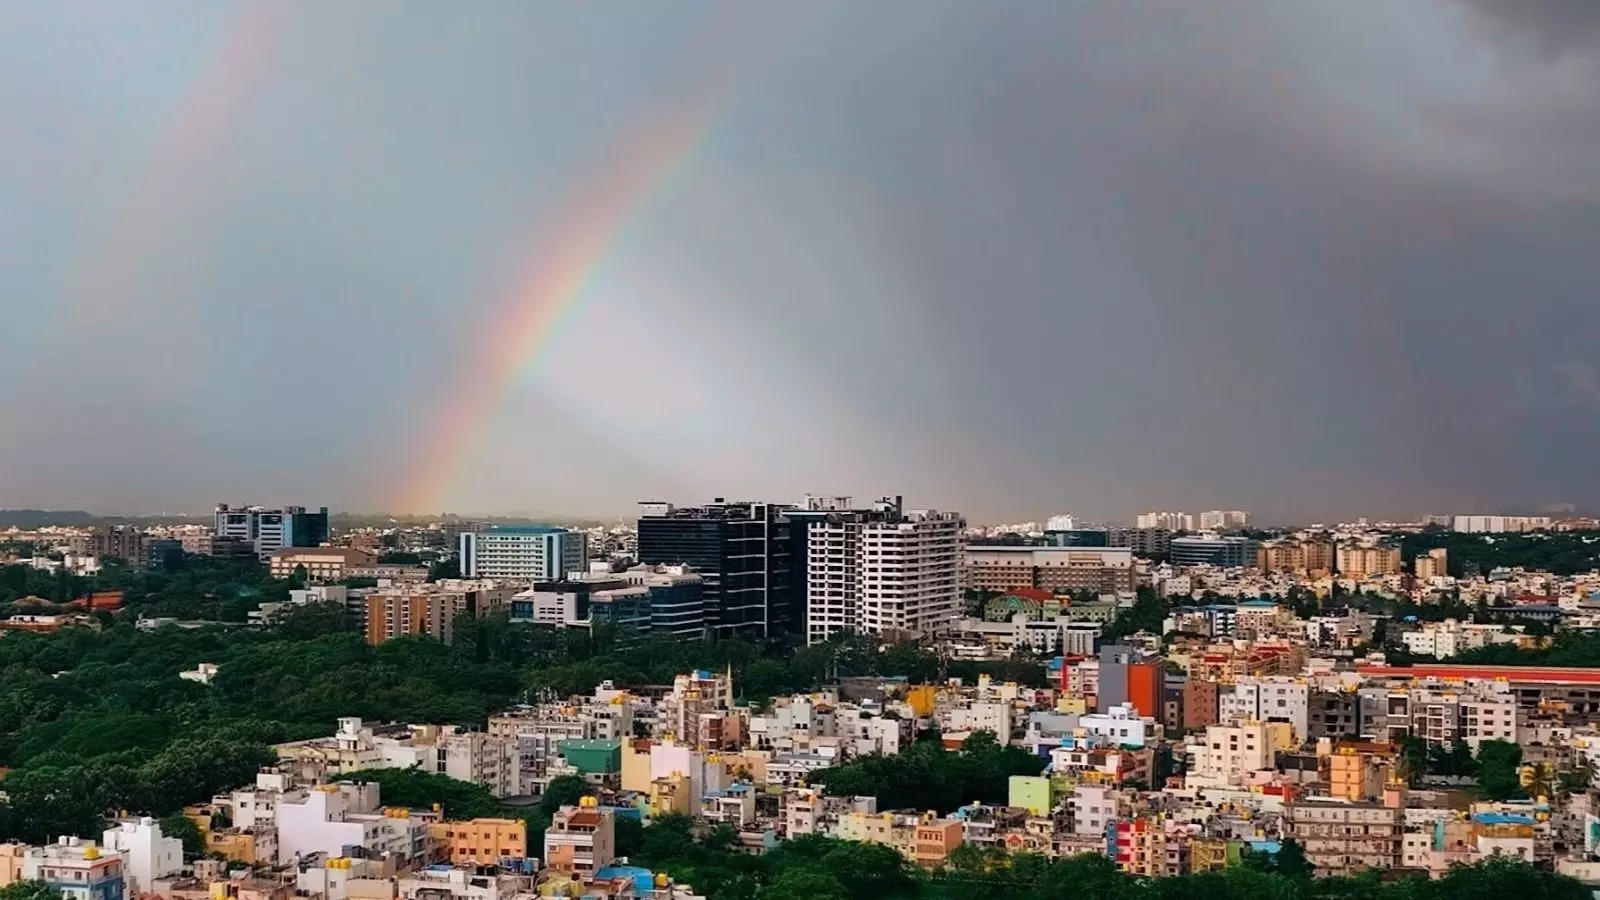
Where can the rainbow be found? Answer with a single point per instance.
(561, 269)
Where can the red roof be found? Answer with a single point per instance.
(1038, 595)
(1526, 674)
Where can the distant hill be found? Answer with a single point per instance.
(33, 518)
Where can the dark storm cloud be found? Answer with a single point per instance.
(1314, 259)
(1555, 25)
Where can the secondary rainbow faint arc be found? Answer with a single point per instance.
(559, 273)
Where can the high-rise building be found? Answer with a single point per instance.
(1362, 560)
(1223, 519)
(271, 530)
(1231, 552)
(1433, 564)
(741, 551)
(124, 542)
(883, 570)
(522, 552)
(430, 609)
(1314, 554)
(1171, 521)
(1145, 542)
(1494, 524)
(1062, 522)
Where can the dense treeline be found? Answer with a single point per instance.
(1561, 553)
(926, 776)
(819, 868)
(92, 722)
(199, 588)
(1566, 648)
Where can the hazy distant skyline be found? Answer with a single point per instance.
(1314, 260)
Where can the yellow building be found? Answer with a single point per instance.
(483, 841)
(319, 563)
(11, 862)
(1359, 771)
(1357, 560)
(636, 765)
(670, 794)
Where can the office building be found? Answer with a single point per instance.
(1060, 570)
(1079, 537)
(1227, 552)
(319, 564)
(883, 571)
(641, 599)
(740, 550)
(522, 552)
(1150, 543)
(124, 542)
(271, 530)
(163, 554)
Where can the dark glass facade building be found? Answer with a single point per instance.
(742, 553)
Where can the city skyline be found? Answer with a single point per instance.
(1315, 261)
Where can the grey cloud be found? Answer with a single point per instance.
(1555, 26)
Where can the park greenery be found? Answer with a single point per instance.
(926, 776)
(1557, 552)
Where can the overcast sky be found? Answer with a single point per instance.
(1313, 259)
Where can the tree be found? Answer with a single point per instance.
(29, 890)
(181, 826)
(1291, 861)
(1498, 764)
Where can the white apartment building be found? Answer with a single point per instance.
(332, 817)
(1442, 640)
(148, 854)
(1092, 808)
(1061, 522)
(994, 716)
(1172, 521)
(1444, 716)
(1223, 519)
(1121, 725)
(523, 552)
(1475, 524)
(1272, 698)
(1228, 754)
(883, 571)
